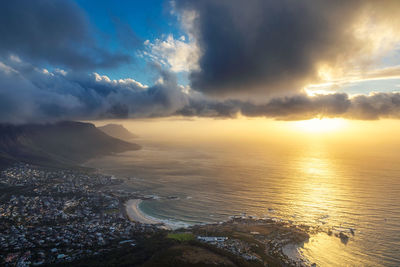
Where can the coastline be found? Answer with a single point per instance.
(287, 253)
(135, 214)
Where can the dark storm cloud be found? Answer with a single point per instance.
(52, 31)
(378, 105)
(273, 47)
(301, 107)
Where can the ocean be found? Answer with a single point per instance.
(351, 189)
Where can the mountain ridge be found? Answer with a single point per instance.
(117, 131)
(61, 143)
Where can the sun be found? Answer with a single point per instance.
(317, 125)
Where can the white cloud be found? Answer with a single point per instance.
(6, 69)
(127, 82)
(61, 72)
(15, 58)
(176, 54)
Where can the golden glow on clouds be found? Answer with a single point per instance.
(387, 73)
(376, 35)
(325, 73)
(314, 92)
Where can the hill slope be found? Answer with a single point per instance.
(117, 131)
(56, 144)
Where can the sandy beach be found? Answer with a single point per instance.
(134, 213)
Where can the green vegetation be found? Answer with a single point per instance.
(111, 211)
(159, 249)
(181, 236)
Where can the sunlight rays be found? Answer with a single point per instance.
(317, 125)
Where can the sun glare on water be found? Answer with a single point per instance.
(320, 125)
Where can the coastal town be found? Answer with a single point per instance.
(60, 215)
(55, 216)
(254, 239)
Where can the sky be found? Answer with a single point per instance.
(283, 60)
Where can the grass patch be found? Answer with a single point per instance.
(111, 211)
(181, 236)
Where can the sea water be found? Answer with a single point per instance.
(351, 190)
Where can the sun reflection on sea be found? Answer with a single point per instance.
(322, 245)
(330, 179)
(314, 171)
(317, 167)
(321, 183)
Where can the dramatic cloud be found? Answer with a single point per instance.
(302, 107)
(267, 47)
(30, 94)
(258, 55)
(52, 32)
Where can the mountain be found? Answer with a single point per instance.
(62, 143)
(117, 131)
